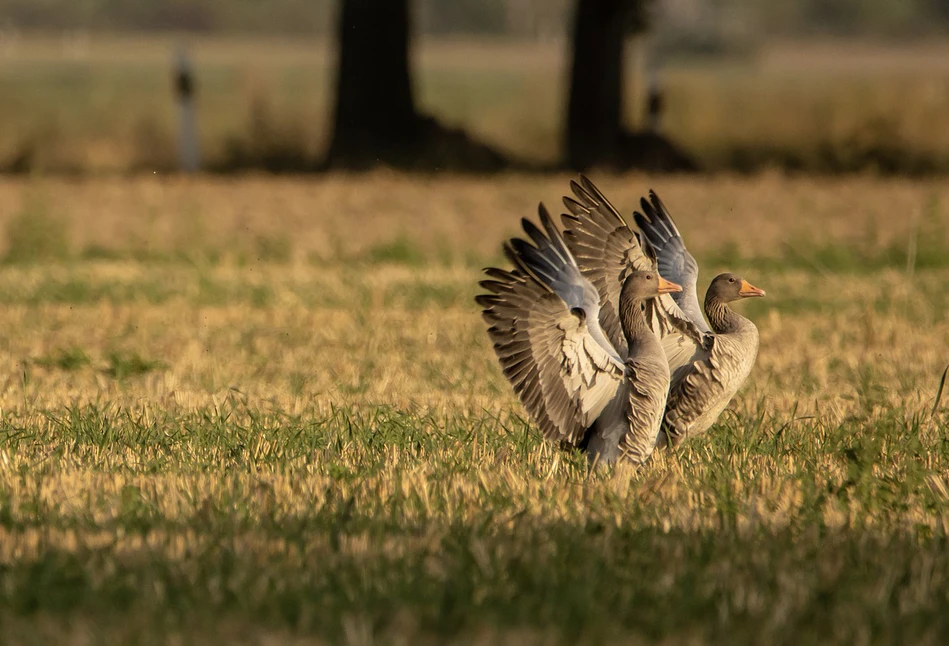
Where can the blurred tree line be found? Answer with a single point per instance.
(536, 19)
(891, 18)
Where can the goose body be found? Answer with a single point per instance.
(702, 389)
(708, 360)
(576, 384)
(639, 404)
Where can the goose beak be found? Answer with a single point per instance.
(748, 290)
(667, 287)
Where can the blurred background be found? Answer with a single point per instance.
(824, 86)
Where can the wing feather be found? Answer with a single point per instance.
(606, 250)
(673, 260)
(543, 322)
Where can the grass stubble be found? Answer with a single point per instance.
(202, 437)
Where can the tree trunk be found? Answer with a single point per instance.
(596, 82)
(595, 135)
(376, 120)
(375, 116)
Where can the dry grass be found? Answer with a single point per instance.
(332, 218)
(268, 409)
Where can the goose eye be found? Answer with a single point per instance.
(648, 276)
(731, 280)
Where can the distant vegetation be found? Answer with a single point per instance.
(89, 91)
(105, 104)
(522, 18)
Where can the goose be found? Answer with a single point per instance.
(578, 387)
(709, 361)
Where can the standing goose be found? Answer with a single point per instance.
(708, 363)
(578, 387)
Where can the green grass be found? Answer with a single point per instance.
(211, 289)
(64, 359)
(122, 365)
(35, 234)
(814, 533)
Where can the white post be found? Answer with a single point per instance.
(189, 157)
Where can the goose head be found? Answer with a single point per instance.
(731, 287)
(643, 285)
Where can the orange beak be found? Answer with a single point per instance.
(747, 290)
(667, 287)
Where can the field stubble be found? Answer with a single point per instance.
(267, 409)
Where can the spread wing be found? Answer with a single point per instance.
(673, 260)
(543, 319)
(606, 250)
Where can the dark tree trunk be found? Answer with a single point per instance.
(596, 82)
(376, 120)
(594, 131)
(375, 109)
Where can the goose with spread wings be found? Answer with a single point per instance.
(583, 389)
(709, 361)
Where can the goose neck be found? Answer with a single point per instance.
(720, 316)
(633, 320)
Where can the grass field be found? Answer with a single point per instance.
(103, 104)
(266, 411)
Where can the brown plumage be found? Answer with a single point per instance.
(702, 388)
(708, 364)
(578, 387)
